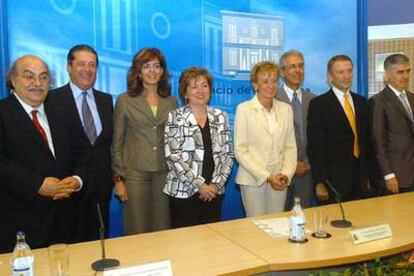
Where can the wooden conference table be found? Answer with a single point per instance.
(238, 247)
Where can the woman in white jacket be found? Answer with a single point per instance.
(265, 144)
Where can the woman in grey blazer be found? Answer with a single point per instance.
(199, 153)
(138, 148)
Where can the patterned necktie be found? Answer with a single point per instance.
(88, 123)
(351, 119)
(38, 126)
(406, 105)
(298, 120)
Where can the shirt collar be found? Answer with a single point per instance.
(28, 108)
(77, 91)
(396, 92)
(339, 93)
(289, 92)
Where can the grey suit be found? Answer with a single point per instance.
(301, 186)
(138, 156)
(393, 136)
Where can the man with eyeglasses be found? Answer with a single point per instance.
(91, 110)
(292, 66)
(40, 165)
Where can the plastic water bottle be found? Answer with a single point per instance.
(297, 223)
(22, 261)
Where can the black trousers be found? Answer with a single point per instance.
(193, 211)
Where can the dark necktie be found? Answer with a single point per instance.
(38, 126)
(298, 120)
(88, 123)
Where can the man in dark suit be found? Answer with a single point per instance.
(91, 110)
(338, 146)
(393, 127)
(292, 67)
(38, 160)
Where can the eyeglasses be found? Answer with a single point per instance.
(31, 77)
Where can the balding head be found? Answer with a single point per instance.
(29, 78)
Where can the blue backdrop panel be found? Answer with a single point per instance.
(226, 37)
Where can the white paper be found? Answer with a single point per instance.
(274, 227)
(162, 268)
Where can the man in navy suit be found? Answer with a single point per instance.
(40, 164)
(91, 110)
(338, 136)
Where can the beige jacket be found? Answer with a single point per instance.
(253, 142)
(138, 142)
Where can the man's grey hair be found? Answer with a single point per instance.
(395, 59)
(287, 54)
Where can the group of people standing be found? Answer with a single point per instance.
(63, 151)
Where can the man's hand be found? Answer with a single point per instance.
(392, 185)
(322, 192)
(302, 167)
(121, 191)
(69, 185)
(58, 189)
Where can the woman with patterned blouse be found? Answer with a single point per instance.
(199, 153)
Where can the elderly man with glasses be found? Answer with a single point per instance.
(40, 166)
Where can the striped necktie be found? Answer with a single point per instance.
(88, 123)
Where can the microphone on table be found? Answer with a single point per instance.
(104, 263)
(340, 223)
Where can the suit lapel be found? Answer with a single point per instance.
(163, 108)
(393, 100)
(26, 124)
(103, 115)
(281, 95)
(338, 110)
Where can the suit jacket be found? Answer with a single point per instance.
(25, 160)
(330, 143)
(281, 95)
(99, 179)
(184, 151)
(138, 142)
(252, 141)
(393, 136)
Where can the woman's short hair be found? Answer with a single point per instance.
(189, 74)
(135, 84)
(263, 67)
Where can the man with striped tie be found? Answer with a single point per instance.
(91, 110)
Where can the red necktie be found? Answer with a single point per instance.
(38, 126)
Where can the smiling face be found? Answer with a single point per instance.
(198, 92)
(31, 80)
(340, 75)
(293, 71)
(151, 72)
(82, 69)
(398, 75)
(266, 84)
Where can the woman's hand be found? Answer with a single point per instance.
(208, 192)
(278, 181)
(121, 191)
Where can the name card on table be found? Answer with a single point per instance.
(162, 268)
(370, 233)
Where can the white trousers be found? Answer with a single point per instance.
(262, 200)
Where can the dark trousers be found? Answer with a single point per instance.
(193, 211)
(357, 190)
